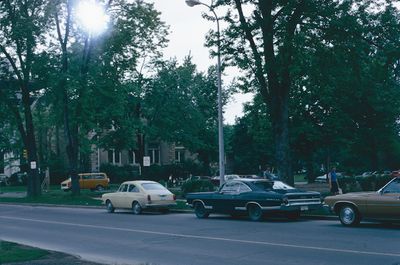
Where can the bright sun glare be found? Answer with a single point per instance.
(92, 16)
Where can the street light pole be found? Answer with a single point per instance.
(221, 151)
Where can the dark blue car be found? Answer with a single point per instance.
(255, 197)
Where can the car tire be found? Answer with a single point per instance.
(109, 206)
(99, 188)
(255, 213)
(293, 215)
(136, 208)
(200, 210)
(349, 215)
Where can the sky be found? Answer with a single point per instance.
(187, 36)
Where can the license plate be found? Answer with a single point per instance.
(303, 208)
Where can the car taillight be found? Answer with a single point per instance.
(149, 198)
(174, 196)
(69, 184)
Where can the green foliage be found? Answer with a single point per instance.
(363, 183)
(119, 174)
(181, 170)
(197, 186)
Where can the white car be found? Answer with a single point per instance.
(139, 195)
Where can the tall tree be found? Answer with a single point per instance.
(22, 28)
(107, 72)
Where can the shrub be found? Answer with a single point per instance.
(197, 186)
(119, 174)
(366, 183)
(381, 181)
(348, 184)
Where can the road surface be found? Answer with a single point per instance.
(182, 239)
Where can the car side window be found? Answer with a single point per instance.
(133, 188)
(393, 187)
(231, 187)
(123, 188)
(243, 188)
(228, 188)
(98, 176)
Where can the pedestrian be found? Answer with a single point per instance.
(333, 181)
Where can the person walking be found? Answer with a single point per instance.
(333, 182)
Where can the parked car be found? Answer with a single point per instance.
(369, 173)
(92, 181)
(4, 181)
(395, 173)
(139, 195)
(254, 197)
(383, 204)
(324, 178)
(215, 180)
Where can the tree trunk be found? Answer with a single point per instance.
(30, 143)
(280, 125)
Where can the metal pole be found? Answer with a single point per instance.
(221, 151)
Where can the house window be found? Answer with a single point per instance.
(132, 157)
(179, 155)
(114, 156)
(154, 154)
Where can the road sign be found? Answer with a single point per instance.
(33, 164)
(146, 161)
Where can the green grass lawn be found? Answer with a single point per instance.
(11, 252)
(54, 196)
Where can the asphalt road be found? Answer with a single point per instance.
(182, 239)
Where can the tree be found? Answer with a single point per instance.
(23, 26)
(180, 106)
(107, 70)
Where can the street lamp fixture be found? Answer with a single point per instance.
(192, 3)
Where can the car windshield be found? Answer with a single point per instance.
(272, 185)
(153, 186)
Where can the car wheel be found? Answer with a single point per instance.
(255, 213)
(99, 188)
(349, 215)
(293, 215)
(136, 208)
(200, 211)
(110, 206)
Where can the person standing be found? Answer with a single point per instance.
(333, 182)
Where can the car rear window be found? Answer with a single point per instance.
(153, 186)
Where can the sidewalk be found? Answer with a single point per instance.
(12, 194)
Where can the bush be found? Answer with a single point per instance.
(18, 179)
(381, 181)
(348, 184)
(368, 183)
(197, 186)
(119, 174)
